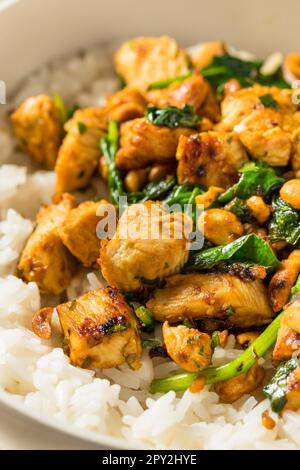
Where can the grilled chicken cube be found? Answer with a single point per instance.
(143, 143)
(144, 60)
(100, 330)
(192, 91)
(283, 280)
(210, 158)
(79, 154)
(188, 347)
(267, 123)
(231, 390)
(212, 295)
(149, 245)
(288, 335)
(37, 128)
(79, 231)
(45, 260)
(126, 104)
(203, 54)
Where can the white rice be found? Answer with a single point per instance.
(114, 401)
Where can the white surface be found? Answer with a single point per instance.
(35, 31)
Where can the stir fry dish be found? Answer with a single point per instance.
(202, 128)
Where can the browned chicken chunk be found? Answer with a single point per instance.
(126, 104)
(212, 295)
(145, 248)
(288, 335)
(283, 280)
(100, 330)
(37, 128)
(203, 54)
(233, 389)
(144, 60)
(45, 260)
(79, 154)
(188, 347)
(210, 158)
(268, 131)
(79, 231)
(142, 143)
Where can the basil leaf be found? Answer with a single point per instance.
(268, 101)
(249, 249)
(285, 222)
(256, 178)
(276, 389)
(173, 117)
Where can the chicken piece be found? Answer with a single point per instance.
(211, 107)
(288, 335)
(79, 154)
(37, 128)
(126, 104)
(144, 60)
(100, 330)
(293, 390)
(78, 233)
(283, 280)
(231, 390)
(142, 143)
(209, 197)
(149, 245)
(203, 54)
(210, 158)
(212, 295)
(188, 347)
(220, 226)
(192, 91)
(267, 129)
(45, 260)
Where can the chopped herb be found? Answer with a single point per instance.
(159, 84)
(72, 305)
(64, 113)
(215, 340)
(173, 117)
(268, 101)
(230, 311)
(150, 343)
(154, 190)
(145, 316)
(276, 389)
(117, 328)
(81, 127)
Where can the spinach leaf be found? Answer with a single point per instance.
(153, 191)
(268, 101)
(226, 67)
(285, 222)
(249, 249)
(173, 117)
(276, 389)
(238, 207)
(183, 194)
(256, 178)
(109, 147)
(168, 81)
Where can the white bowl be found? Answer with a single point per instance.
(35, 31)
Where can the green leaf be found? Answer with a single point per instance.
(173, 117)
(238, 207)
(117, 328)
(154, 191)
(81, 127)
(249, 249)
(145, 316)
(276, 389)
(183, 194)
(159, 84)
(268, 101)
(109, 146)
(256, 178)
(285, 223)
(150, 343)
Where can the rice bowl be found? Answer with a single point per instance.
(113, 402)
